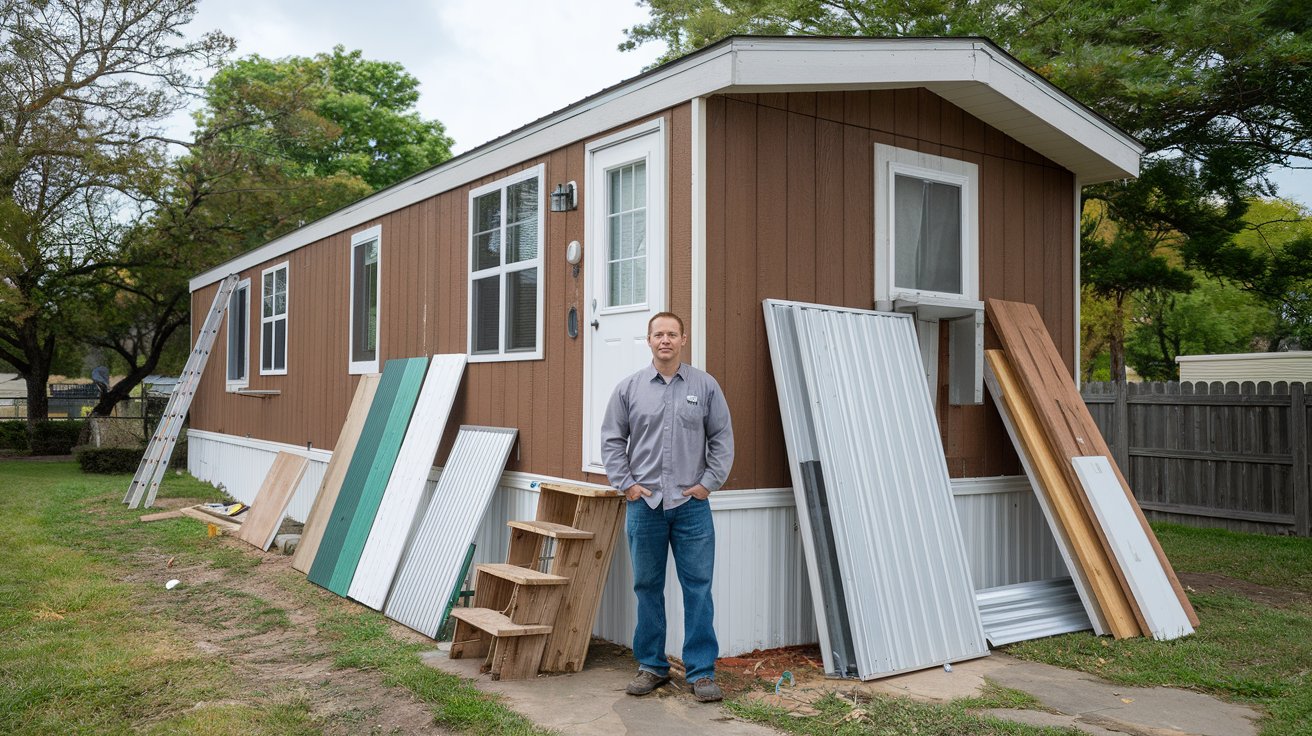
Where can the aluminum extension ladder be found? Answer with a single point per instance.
(145, 484)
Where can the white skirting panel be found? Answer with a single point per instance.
(1006, 535)
(239, 464)
(762, 599)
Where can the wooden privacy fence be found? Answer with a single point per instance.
(1230, 455)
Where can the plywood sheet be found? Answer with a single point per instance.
(431, 563)
(401, 499)
(357, 473)
(1066, 422)
(331, 485)
(270, 503)
(1165, 616)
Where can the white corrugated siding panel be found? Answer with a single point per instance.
(1031, 610)
(911, 603)
(239, 465)
(1006, 535)
(405, 488)
(430, 565)
(761, 596)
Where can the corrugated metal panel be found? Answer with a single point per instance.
(1031, 610)
(858, 415)
(432, 561)
(1006, 535)
(759, 587)
(400, 501)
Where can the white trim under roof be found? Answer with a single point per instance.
(972, 73)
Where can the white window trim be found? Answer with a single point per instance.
(364, 366)
(238, 384)
(265, 275)
(501, 356)
(892, 160)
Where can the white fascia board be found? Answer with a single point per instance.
(998, 90)
(643, 97)
(1078, 139)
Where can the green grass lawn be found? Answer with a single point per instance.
(1253, 645)
(91, 644)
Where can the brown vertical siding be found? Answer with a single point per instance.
(423, 310)
(791, 215)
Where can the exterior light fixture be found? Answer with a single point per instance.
(564, 198)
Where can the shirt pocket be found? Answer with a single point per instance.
(692, 415)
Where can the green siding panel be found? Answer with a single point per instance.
(371, 495)
(330, 546)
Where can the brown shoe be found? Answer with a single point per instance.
(707, 691)
(645, 682)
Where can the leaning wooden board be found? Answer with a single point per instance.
(326, 498)
(270, 503)
(1072, 527)
(1048, 384)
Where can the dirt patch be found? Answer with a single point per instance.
(266, 627)
(1206, 582)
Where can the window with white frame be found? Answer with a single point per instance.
(927, 259)
(273, 321)
(366, 282)
(926, 226)
(505, 268)
(239, 313)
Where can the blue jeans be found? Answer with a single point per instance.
(687, 529)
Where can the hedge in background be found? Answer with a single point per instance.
(55, 438)
(13, 435)
(109, 459)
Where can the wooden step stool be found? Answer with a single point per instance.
(574, 537)
(514, 608)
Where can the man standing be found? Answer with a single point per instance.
(668, 443)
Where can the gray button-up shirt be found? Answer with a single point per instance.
(667, 436)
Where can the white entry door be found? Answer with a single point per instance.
(625, 285)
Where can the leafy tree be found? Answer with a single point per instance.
(1219, 94)
(278, 143)
(1216, 317)
(84, 85)
(1276, 265)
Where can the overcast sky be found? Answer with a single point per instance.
(486, 67)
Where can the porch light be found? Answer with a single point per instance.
(564, 198)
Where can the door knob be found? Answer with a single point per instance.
(595, 324)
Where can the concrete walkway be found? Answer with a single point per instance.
(593, 701)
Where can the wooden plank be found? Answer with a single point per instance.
(521, 575)
(400, 502)
(497, 623)
(516, 658)
(1165, 617)
(270, 504)
(194, 513)
(1063, 416)
(371, 493)
(579, 490)
(1074, 523)
(1213, 512)
(161, 516)
(549, 529)
(587, 564)
(331, 484)
(1298, 481)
